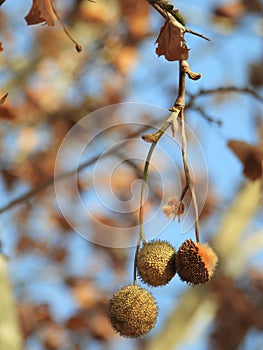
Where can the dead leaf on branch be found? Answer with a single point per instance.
(3, 98)
(171, 43)
(44, 11)
(41, 11)
(250, 156)
(6, 111)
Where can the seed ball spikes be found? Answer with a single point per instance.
(133, 311)
(195, 262)
(156, 263)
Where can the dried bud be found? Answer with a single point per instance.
(133, 311)
(156, 263)
(192, 75)
(195, 262)
(78, 47)
(173, 208)
(151, 138)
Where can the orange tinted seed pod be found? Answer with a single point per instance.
(195, 262)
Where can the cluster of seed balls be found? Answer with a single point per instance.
(133, 310)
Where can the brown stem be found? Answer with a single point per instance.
(224, 89)
(189, 183)
(176, 110)
(78, 47)
(180, 104)
(141, 237)
(180, 100)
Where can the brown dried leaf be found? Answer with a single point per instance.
(237, 312)
(256, 73)
(171, 43)
(27, 139)
(78, 322)
(93, 321)
(136, 17)
(250, 156)
(60, 221)
(6, 112)
(1, 47)
(101, 13)
(41, 11)
(26, 244)
(253, 5)
(126, 61)
(59, 254)
(42, 314)
(9, 178)
(3, 98)
(54, 337)
(26, 319)
(100, 328)
(232, 10)
(85, 293)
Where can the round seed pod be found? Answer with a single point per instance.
(195, 262)
(156, 263)
(133, 311)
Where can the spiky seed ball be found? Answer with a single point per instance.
(133, 311)
(195, 262)
(156, 263)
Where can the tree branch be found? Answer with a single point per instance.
(239, 90)
(202, 92)
(180, 103)
(31, 193)
(161, 7)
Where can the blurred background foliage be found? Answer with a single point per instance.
(60, 281)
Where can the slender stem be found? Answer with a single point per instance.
(177, 111)
(135, 261)
(180, 102)
(189, 183)
(197, 233)
(78, 47)
(141, 236)
(143, 189)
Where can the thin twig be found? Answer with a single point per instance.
(192, 97)
(180, 102)
(143, 189)
(31, 193)
(234, 89)
(205, 115)
(157, 5)
(189, 182)
(78, 47)
(155, 137)
(141, 235)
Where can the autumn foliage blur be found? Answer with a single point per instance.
(61, 281)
